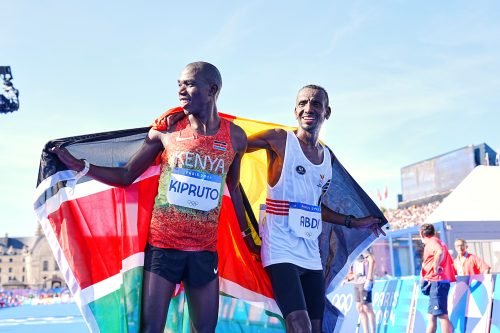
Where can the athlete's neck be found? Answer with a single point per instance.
(206, 123)
(307, 139)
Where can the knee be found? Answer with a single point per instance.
(298, 321)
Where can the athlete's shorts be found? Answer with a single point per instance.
(438, 298)
(194, 268)
(361, 295)
(296, 288)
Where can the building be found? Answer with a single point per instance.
(28, 262)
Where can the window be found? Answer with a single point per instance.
(418, 252)
(381, 252)
(45, 265)
(401, 254)
(10, 269)
(10, 260)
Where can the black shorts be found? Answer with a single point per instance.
(361, 295)
(194, 268)
(438, 298)
(296, 288)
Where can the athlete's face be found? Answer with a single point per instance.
(311, 109)
(195, 93)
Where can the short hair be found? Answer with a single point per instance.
(210, 72)
(461, 240)
(427, 230)
(316, 87)
(7, 83)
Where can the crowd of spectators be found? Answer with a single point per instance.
(411, 216)
(16, 297)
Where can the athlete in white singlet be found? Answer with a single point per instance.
(299, 172)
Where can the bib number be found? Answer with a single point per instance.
(194, 189)
(305, 220)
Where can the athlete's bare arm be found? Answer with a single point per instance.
(118, 176)
(274, 142)
(367, 222)
(239, 142)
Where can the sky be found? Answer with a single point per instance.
(407, 80)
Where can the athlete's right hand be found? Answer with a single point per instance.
(69, 160)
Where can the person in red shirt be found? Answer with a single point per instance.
(467, 263)
(437, 273)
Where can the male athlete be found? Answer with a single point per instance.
(299, 173)
(199, 155)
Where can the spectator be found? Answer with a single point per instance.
(467, 263)
(437, 273)
(361, 275)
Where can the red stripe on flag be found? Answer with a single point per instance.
(98, 231)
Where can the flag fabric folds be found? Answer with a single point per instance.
(98, 233)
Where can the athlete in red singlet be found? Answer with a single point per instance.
(200, 154)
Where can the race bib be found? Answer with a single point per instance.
(194, 189)
(305, 220)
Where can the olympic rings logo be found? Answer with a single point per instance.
(192, 203)
(343, 302)
(308, 233)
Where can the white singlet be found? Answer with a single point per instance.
(291, 223)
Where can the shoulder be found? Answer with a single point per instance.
(238, 137)
(276, 135)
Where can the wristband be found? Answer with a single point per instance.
(84, 171)
(247, 232)
(348, 221)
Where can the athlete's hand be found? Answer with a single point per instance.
(370, 223)
(173, 119)
(69, 160)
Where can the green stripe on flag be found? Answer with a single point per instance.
(119, 311)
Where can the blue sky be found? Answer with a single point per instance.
(407, 80)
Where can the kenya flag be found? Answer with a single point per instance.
(98, 233)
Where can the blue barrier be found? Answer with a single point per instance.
(399, 306)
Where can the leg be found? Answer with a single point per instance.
(370, 317)
(446, 326)
(289, 295)
(156, 295)
(362, 316)
(431, 325)
(314, 295)
(203, 305)
(298, 322)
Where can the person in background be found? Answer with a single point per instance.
(467, 263)
(361, 275)
(437, 274)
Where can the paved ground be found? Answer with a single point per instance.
(54, 318)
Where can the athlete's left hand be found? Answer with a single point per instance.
(369, 222)
(173, 119)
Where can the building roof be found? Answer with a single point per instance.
(17, 243)
(476, 198)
